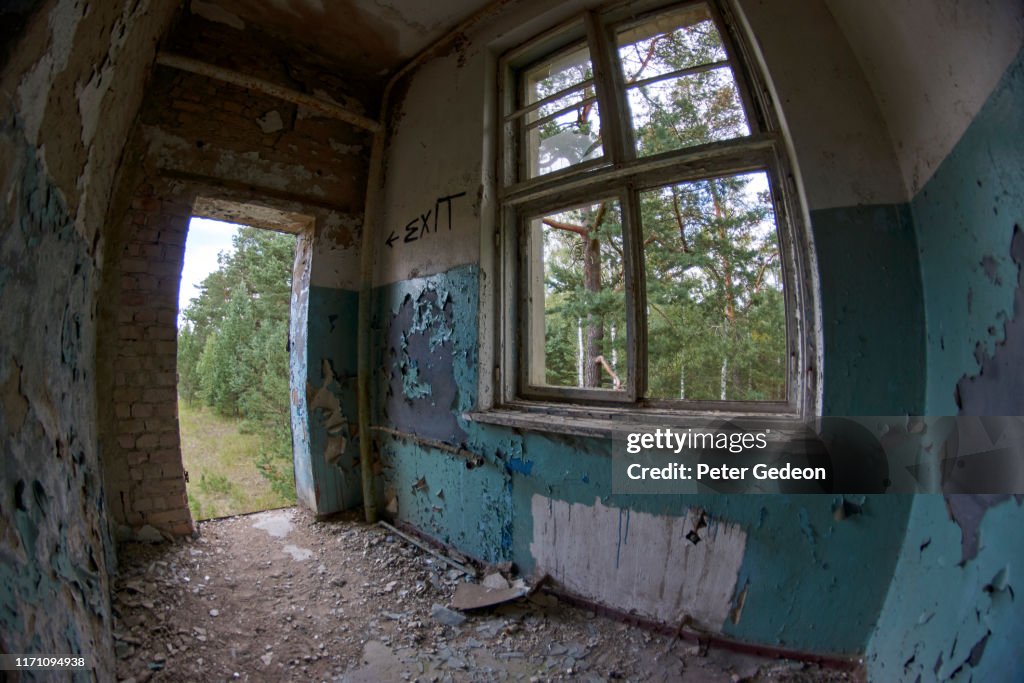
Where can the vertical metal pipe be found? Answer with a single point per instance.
(371, 217)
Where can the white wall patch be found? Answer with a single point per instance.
(640, 562)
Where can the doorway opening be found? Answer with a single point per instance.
(234, 314)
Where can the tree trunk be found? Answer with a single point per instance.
(579, 352)
(615, 353)
(725, 376)
(595, 328)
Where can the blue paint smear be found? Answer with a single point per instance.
(519, 465)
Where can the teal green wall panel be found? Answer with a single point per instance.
(872, 310)
(324, 403)
(965, 217)
(951, 612)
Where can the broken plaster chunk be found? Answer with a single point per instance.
(298, 554)
(496, 581)
(270, 122)
(470, 596)
(446, 616)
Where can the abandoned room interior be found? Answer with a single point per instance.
(496, 204)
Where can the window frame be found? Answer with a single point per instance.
(621, 173)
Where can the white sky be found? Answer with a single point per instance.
(206, 239)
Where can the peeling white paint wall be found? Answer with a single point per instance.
(638, 562)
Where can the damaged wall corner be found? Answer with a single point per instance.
(58, 166)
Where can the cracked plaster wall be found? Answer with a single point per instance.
(62, 130)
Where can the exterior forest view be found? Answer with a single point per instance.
(708, 255)
(233, 368)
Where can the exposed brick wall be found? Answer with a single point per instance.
(146, 478)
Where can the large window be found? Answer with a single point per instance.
(651, 253)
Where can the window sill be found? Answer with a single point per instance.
(611, 422)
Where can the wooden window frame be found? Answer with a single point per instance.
(619, 173)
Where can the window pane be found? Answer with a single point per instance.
(672, 41)
(716, 315)
(577, 309)
(686, 109)
(567, 130)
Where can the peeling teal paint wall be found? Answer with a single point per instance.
(327, 469)
(799, 560)
(470, 509)
(56, 551)
(872, 310)
(947, 619)
(951, 614)
(965, 217)
(908, 291)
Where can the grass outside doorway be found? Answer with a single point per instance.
(221, 462)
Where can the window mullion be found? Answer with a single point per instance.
(636, 297)
(614, 132)
(526, 109)
(551, 117)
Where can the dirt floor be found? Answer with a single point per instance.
(280, 596)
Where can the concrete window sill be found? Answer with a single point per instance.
(611, 422)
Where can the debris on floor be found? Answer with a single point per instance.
(470, 596)
(279, 596)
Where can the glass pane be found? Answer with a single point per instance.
(572, 134)
(675, 40)
(687, 111)
(679, 111)
(577, 309)
(565, 140)
(716, 314)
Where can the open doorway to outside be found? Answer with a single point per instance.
(233, 362)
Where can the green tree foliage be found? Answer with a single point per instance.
(233, 346)
(716, 321)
